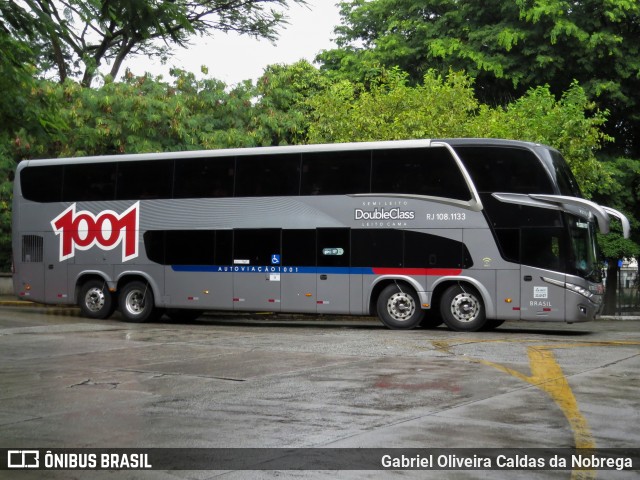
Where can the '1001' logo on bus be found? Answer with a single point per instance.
(84, 230)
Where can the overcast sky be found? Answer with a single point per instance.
(233, 58)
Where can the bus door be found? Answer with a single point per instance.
(541, 252)
(299, 279)
(257, 265)
(333, 252)
(55, 271)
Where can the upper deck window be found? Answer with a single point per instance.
(424, 171)
(505, 169)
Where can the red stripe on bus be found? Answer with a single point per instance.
(436, 272)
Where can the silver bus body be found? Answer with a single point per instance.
(351, 253)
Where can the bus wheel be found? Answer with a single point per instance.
(398, 307)
(136, 302)
(462, 309)
(95, 300)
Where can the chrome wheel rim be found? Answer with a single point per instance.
(94, 299)
(134, 302)
(465, 307)
(401, 306)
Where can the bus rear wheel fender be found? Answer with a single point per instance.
(462, 308)
(137, 302)
(398, 306)
(95, 300)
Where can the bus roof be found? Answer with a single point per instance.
(291, 149)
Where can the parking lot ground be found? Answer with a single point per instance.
(285, 381)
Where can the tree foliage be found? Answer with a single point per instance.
(444, 107)
(76, 37)
(506, 46)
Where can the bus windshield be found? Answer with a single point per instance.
(584, 254)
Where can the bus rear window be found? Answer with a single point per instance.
(42, 184)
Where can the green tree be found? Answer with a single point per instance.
(282, 111)
(507, 46)
(76, 37)
(442, 107)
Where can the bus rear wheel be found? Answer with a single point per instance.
(95, 300)
(462, 309)
(136, 302)
(399, 308)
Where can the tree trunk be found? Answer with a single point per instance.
(611, 293)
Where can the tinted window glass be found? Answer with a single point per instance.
(93, 181)
(204, 177)
(335, 173)
(154, 246)
(509, 243)
(333, 247)
(567, 183)
(428, 171)
(377, 248)
(189, 247)
(256, 247)
(144, 180)
(543, 248)
(224, 247)
(423, 250)
(509, 215)
(42, 184)
(267, 175)
(299, 248)
(505, 169)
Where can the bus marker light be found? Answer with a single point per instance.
(308, 295)
(27, 287)
(508, 300)
(206, 292)
(426, 305)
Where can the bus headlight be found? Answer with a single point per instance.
(578, 289)
(585, 292)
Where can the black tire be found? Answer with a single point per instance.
(399, 307)
(95, 300)
(432, 319)
(183, 314)
(492, 325)
(462, 309)
(136, 302)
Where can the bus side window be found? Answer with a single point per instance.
(204, 177)
(425, 171)
(267, 175)
(42, 184)
(335, 173)
(83, 182)
(144, 180)
(333, 247)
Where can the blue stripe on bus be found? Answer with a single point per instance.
(272, 269)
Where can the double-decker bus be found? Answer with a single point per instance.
(469, 232)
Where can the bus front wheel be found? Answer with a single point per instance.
(136, 302)
(398, 307)
(462, 309)
(95, 300)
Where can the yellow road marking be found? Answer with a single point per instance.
(547, 375)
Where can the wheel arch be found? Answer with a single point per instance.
(443, 283)
(87, 275)
(382, 282)
(130, 276)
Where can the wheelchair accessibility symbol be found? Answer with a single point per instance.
(275, 259)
